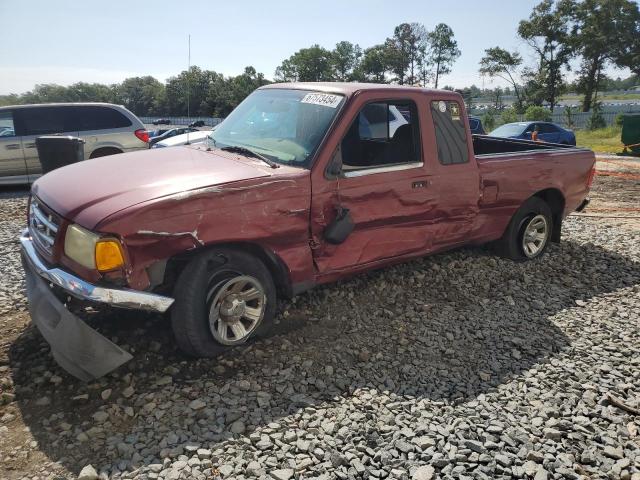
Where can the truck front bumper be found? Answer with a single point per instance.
(77, 348)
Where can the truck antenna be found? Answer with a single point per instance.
(188, 88)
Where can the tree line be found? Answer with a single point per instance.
(559, 33)
(196, 92)
(411, 56)
(597, 33)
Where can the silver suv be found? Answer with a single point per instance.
(106, 129)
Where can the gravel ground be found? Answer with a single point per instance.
(460, 365)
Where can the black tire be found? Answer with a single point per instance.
(198, 280)
(104, 152)
(511, 244)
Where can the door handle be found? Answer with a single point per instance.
(420, 184)
(12, 146)
(30, 145)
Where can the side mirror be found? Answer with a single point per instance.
(334, 169)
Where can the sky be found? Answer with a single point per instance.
(65, 41)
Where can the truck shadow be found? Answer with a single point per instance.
(442, 329)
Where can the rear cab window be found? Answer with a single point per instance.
(450, 132)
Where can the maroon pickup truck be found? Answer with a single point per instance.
(302, 184)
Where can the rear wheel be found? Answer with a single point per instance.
(223, 297)
(528, 233)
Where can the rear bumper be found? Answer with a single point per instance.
(583, 205)
(77, 348)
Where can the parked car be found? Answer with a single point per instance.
(213, 234)
(191, 138)
(171, 133)
(157, 132)
(475, 125)
(547, 132)
(162, 121)
(197, 123)
(106, 129)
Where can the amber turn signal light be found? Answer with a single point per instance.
(108, 255)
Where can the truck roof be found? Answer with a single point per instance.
(349, 88)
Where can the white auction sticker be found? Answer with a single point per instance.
(324, 99)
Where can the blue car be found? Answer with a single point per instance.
(475, 125)
(547, 132)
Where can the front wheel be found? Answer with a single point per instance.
(528, 233)
(223, 297)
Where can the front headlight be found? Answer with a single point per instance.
(92, 251)
(80, 246)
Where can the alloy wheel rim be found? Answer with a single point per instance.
(236, 307)
(535, 236)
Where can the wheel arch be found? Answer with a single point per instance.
(276, 266)
(556, 201)
(105, 151)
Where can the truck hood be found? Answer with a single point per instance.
(90, 191)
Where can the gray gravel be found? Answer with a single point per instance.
(456, 366)
(13, 219)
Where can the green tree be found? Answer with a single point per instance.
(142, 95)
(498, 62)
(570, 117)
(313, 64)
(489, 120)
(397, 52)
(595, 37)
(11, 99)
(536, 113)
(374, 65)
(509, 115)
(47, 93)
(627, 42)
(186, 93)
(345, 58)
(596, 120)
(547, 32)
(443, 51)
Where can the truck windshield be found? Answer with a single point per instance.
(283, 125)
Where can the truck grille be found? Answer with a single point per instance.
(43, 226)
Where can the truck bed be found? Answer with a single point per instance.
(486, 145)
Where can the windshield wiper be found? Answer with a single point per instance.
(250, 153)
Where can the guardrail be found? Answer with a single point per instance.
(209, 121)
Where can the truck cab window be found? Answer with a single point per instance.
(382, 134)
(451, 133)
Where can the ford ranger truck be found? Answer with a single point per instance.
(302, 184)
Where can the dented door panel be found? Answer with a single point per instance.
(391, 218)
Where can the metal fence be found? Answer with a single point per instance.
(579, 119)
(209, 121)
